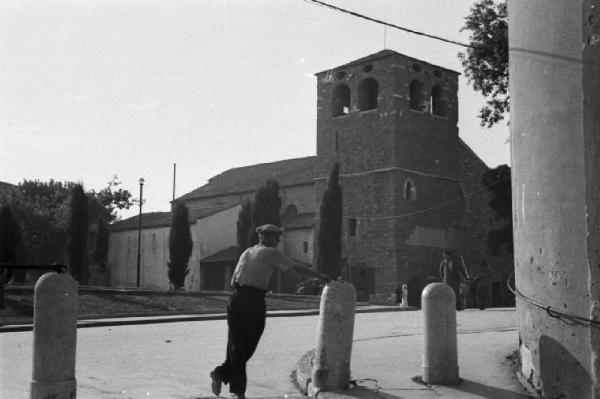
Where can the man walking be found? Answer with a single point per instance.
(246, 312)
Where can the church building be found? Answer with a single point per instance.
(411, 189)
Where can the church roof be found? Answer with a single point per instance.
(162, 219)
(7, 188)
(289, 172)
(467, 151)
(383, 54)
(229, 254)
(152, 219)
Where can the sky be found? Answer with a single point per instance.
(94, 89)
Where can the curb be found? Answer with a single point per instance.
(88, 289)
(135, 320)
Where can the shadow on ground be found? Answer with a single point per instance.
(487, 391)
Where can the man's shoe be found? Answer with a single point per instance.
(238, 396)
(216, 383)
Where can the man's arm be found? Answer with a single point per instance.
(279, 258)
(307, 270)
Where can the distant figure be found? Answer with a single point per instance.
(404, 303)
(246, 311)
(452, 275)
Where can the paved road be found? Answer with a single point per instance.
(173, 360)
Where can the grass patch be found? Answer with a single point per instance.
(94, 304)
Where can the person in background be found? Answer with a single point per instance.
(452, 275)
(246, 311)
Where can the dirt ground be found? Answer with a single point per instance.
(99, 303)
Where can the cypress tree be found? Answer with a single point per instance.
(101, 252)
(180, 247)
(10, 243)
(330, 227)
(77, 234)
(265, 209)
(243, 225)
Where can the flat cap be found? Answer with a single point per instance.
(269, 229)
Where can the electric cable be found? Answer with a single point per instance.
(440, 205)
(355, 14)
(558, 314)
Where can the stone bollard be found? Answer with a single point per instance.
(54, 337)
(440, 358)
(331, 367)
(404, 303)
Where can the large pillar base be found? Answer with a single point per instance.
(54, 390)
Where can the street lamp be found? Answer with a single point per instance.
(139, 234)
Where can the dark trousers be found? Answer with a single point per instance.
(246, 314)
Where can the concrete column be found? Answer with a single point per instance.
(555, 131)
(331, 369)
(440, 356)
(54, 337)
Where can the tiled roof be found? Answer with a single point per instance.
(226, 255)
(7, 188)
(152, 219)
(162, 219)
(383, 54)
(466, 151)
(249, 178)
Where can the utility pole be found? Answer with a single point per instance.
(174, 175)
(139, 251)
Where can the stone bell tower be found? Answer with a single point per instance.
(390, 121)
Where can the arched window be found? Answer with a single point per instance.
(417, 99)
(437, 101)
(291, 210)
(410, 190)
(367, 94)
(340, 101)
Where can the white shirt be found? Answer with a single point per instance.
(256, 265)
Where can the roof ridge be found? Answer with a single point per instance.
(265, 163)
(472, 152)
(382, 54)
(249, 178)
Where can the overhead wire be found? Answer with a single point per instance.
(378, 21)
(440, 205)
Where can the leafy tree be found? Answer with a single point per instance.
(498, 182)
(77, 235)
(105, 203)
(42, 208)
(329, 260)
(180, 247)
(486, 61)
(266, 209)
(243, 225)
(101, 250)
